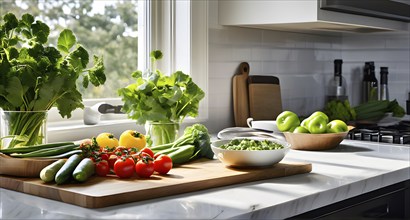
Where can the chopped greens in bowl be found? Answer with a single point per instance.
(251, 144)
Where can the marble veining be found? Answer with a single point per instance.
(349, 170)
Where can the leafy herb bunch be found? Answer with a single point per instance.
(161, 98)
(36, 76)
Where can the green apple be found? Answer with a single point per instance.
(316, 113)
(287, 120)
(317, 125)
(336, 126)
(304, 123)
(300, 129)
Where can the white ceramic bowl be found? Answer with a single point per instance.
(240, 158)
(265, 125)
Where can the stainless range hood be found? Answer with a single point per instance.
(301, 15)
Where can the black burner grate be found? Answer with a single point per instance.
(397, 134)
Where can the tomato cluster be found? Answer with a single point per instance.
(124, 162)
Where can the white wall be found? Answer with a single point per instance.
(302, 62)
(385, 49)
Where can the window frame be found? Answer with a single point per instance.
(159, 17)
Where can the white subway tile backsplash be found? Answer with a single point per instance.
(397, 43)
(241, 53)
(280, 39)
(303, 63)
(214, 70)
(270, 67)
(280, 54)
(363, 42)
(382, 55)
(327, 55)
(221, 52)
(256, 68)
(261, 54)
(243, 36)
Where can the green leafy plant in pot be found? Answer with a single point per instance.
(161, 102)
(36, 76)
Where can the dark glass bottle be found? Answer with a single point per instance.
(384, 89)
(370, 90)
(337, 86)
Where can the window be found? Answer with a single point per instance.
(107, 28)
(124, 32)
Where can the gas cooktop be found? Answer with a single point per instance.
(397, 134)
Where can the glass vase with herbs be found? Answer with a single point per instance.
(161, 102)
(36, 76)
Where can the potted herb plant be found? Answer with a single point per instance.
(161, 102)
(36, 76)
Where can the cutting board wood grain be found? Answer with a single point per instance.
(240, 95)
(265, 102)
(100, 192)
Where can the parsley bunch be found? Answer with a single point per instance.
(36, 76)
(161, 98)
(155, 97)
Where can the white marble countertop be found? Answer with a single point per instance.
(351, 169)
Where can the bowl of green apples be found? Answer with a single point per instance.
(315, 132)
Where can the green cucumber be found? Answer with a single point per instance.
(33, 148)
(84, 170)
(48, 173)
(66, 171)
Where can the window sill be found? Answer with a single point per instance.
(74, 130)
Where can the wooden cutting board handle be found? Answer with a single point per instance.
(240, 95)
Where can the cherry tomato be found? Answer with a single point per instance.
(111, 160)
(102, 168)
(124, 167)
(120, 150)
(132, 150)
(148, 151)
(162, 164)
(104, 156)
(144, 167)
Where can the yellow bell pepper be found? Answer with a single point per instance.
(130, 139)
(107, 140)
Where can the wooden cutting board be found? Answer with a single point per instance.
(240, 95)
(255, 96)
(265, 102)
(100, 192)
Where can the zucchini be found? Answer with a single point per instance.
(66, 171)
(84, 170)
(48, 173)
(34, 147)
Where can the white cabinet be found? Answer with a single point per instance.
(300, 15)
